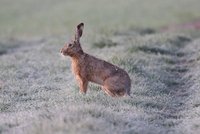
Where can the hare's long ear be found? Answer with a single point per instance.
(79, 31)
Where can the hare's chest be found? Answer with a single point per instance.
(77, 68)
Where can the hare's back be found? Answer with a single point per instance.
(99, 70)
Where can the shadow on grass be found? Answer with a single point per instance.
(4, 107)
(145, 104)
(156, 51)
(135, 31)
(173, 48)
(180, 41)
(104, 43)
(8, 47)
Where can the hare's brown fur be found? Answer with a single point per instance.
(114, 80)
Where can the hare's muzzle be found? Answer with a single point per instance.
(61, 51)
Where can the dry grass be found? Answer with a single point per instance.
(39, 93)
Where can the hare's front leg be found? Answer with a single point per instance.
(83, 83)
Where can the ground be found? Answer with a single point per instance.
(156, 42)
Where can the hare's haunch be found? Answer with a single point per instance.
(114, 80)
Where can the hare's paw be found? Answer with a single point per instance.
(82, 92)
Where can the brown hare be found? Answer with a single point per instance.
(86, 68)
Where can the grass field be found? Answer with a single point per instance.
(39, 95)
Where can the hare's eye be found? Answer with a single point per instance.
(70, 45)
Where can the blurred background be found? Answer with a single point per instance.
(32, 18)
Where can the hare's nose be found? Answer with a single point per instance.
(61, 51)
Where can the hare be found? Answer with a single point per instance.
(86, 68)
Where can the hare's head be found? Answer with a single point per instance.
(73, 47)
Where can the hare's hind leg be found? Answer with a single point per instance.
(113, 92)
(113, 87)
(108, 91)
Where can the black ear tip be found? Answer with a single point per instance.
(80, 25)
